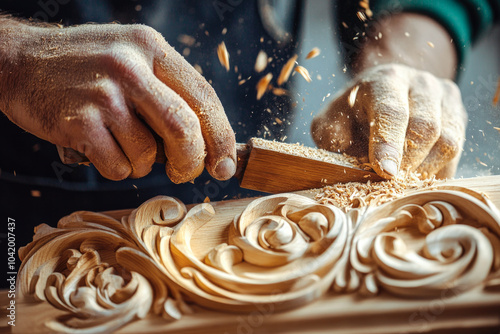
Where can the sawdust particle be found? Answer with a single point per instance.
(313, 53)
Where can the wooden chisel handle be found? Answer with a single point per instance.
(275, 167)
(70, 156)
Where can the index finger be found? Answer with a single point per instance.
(173, 70)
(388, 113)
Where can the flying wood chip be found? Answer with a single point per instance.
(304, 72)
(263, 84)
(313, 53)
(223, 55)
(286, 70)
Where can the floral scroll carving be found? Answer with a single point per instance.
(285, 250)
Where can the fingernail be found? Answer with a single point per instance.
(389, 167)
(225, 169)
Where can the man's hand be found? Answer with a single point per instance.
(100, 89)
(402, 118)
(401, 110)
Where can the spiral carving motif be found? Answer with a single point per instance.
(284, 250)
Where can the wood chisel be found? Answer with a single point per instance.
(264, 168)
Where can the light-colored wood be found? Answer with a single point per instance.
(275, 172)
(428, 261)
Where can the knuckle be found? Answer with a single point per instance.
(145, 35)
(426, 81)
(114, 56)
(108, 94)
(426, 130)
(122, 61)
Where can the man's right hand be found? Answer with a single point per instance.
(94, 88)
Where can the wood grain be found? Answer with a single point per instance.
(274, 172)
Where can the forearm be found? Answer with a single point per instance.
(409, 39)
(13, 33)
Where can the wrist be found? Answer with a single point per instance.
(409, 39)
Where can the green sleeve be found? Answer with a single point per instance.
(465, 20)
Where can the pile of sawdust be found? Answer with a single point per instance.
(355, 194)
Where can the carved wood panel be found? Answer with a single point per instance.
(286, 250)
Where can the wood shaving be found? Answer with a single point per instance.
(260, 62)
(313, 53)
(498, 129)
(304, 72)
(355, 194)
(352, 96)
(263, 84)
(286, 70)
(223, 55)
